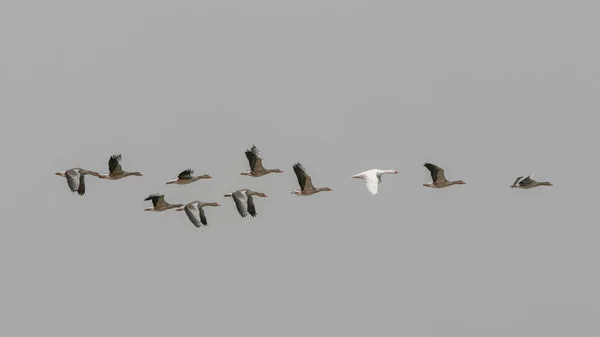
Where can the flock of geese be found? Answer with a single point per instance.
(243, 198)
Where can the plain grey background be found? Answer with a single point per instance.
(488, 91)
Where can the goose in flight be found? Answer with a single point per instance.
(116, 170)
(256, 167)
(305, 182)
(244, 202)
(372, 178)
(528, 182)
(439, 180)
(75, 178)
(187, 177)
(159, 203)
(195, 212)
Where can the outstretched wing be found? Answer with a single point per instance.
(437, 173)
(518, 180)
(156, 199)
(73, 179)
(254, 158)
(189, 210)
(81, 189)
(251, 208)
(241, 202)
(187, 174)
(304, 179)
(114, 164)
(372, 182)
(202, 216)
(526, 181)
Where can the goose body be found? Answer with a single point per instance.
(195, 212)
(528, 182)
(115, 169)
(372, 178)
(438, 178)
(187, 177)
(305, 182)
(256, 167)
(75, 178)
(159, 203)
(244, 202)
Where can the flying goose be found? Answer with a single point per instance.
(116, 170)
(187, 177)
(244, 202)
(305, 182)
(159, 203)
(75, 178)
(196, 207)
(439, 180)
(528, 182)
(256, 168)
(372, 178)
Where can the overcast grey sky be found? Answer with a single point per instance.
(486, 91)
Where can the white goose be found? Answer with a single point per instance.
(372, 178)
